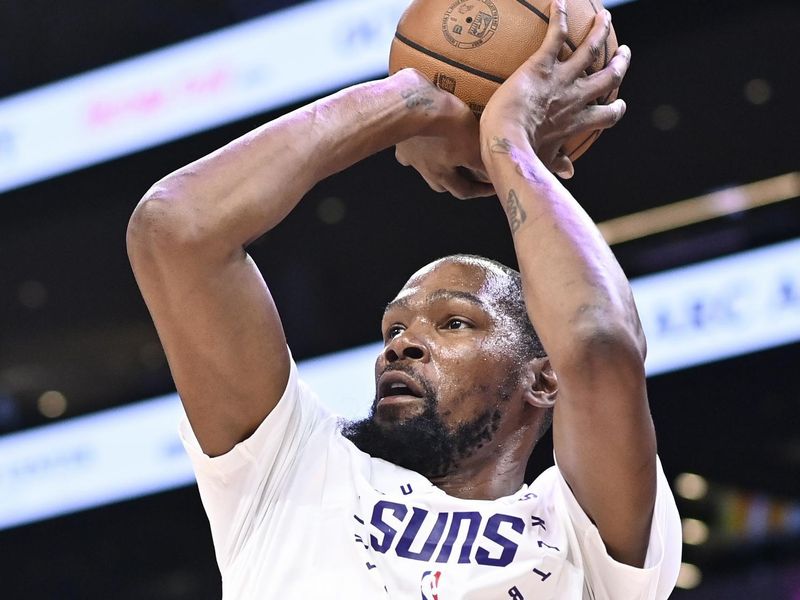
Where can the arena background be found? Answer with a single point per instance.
(88, 510)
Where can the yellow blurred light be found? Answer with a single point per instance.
(717, 204)
(689, 576)
(691, 486)
(52, 404)
(695, 532)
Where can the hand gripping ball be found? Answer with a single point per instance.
(470, 47)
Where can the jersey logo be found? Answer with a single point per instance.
(429, 585)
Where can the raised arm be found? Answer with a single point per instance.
(214, 314)
(577, 295)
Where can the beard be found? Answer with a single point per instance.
(423, 443)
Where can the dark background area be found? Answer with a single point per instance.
(690, 128)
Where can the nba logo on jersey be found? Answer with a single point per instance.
(429, 585)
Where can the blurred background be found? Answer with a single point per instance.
(696, 190)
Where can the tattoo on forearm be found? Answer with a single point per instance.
(523, 166)
(415, 98)
(500, 146)
(527, 170)
(516, 215)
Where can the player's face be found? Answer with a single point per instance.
(447, 346)
(448, 380)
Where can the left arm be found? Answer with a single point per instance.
(577, 295)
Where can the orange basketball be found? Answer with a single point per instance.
(470, 47)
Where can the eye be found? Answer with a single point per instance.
(457, 323)
(394, 331)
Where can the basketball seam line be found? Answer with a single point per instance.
(546, 19)
(400, 37)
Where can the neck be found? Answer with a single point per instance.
(496, 471)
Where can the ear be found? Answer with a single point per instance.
(541, 384)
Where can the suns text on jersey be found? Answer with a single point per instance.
(469, 536)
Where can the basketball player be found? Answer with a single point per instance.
(425, 498)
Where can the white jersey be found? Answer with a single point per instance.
(298, 512)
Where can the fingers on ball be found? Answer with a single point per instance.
(598, 116)
(604, 117)
(563, 167)
(607, 79)
(593, 45)
(617, 66)
(557, 29)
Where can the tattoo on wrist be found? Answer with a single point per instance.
(500, 146)
(527, 170)
(516, 215)
(416, 97)
(523, 166)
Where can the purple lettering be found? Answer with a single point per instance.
(492, 532)
(410, 533)
(474, 519)
(389, 532)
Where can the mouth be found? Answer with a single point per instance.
(397, 386)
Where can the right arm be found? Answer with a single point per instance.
(216, 319)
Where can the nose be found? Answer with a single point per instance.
(405, 346)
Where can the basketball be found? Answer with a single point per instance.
(470, 47)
